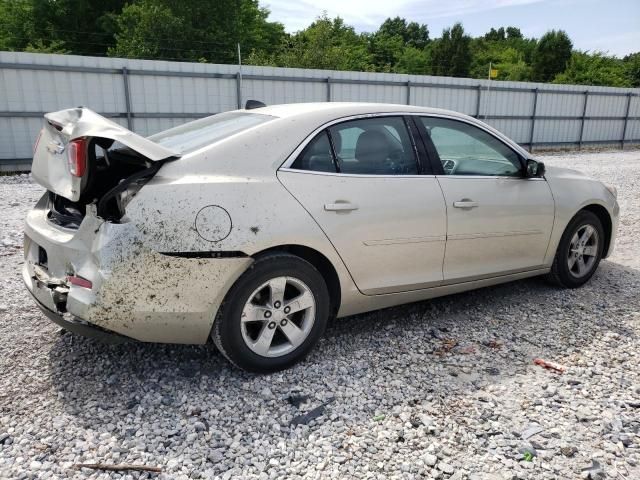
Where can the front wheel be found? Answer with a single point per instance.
(273, 315)
(579, 251)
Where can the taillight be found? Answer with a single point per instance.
(79, 281)
(77, 156)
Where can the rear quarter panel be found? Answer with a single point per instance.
(238, 175)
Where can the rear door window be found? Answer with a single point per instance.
(316, 156)
(374, 146)
(371, 146)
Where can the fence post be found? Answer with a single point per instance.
(328, 89)
(584, 113)
(533, 118)
(408, 92)
(626, 120)
(127, 97)
(238, 90)
(478, 98)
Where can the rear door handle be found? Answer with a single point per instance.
(465, 203)
(340, 207)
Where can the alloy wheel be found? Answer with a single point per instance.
(583, 251)
(278, 316)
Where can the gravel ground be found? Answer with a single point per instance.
(438, 389)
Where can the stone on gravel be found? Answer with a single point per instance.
(445, 468)
(429, 459)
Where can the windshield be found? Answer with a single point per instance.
(200, 133)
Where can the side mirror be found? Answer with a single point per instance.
(535, 169)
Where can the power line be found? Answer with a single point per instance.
(230, 50)
(231, 42)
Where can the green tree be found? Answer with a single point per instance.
(59, 26)
(414, 61)
(632, 68)
(412, 34)
(147, 29)
(385, 51)
(388, 44)
(551, 55)
(451, 54)
(494, 35)
(195, 30)
(507, 50)
(207, 31)
(514, 33)
(594, 69)
(327, 43)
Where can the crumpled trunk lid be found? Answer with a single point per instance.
(50, 166)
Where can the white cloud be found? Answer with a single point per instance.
(367, 15)
(620, 44)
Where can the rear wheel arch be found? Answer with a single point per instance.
(605, 218)
(320, 262)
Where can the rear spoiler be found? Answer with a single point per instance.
(80, 122)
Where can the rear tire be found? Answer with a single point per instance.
(579, 252)
(273, 315)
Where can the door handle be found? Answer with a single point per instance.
(465, 203)
(340, 207)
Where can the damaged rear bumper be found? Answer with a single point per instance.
(135, 292)
(79, 327)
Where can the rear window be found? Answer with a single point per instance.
(200, 133)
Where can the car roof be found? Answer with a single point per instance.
(339, 109)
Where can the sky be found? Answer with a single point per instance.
(611, 26)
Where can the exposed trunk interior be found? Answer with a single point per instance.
(83, 158)
(113, 175)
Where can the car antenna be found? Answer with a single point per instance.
(251, 104)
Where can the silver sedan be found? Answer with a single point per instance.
(252, 228)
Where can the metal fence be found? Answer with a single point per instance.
(149, 96)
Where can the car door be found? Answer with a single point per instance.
(498, 221)
(361, 181)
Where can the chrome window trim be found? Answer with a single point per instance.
(358, 175)
(489, 177)
(285, 166)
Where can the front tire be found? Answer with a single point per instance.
(273, 315)
(579, 251)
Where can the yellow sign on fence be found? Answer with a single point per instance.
(493, 73)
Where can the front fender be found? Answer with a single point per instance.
(573, 192)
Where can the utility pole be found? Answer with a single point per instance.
(239, 77)
(486, 110)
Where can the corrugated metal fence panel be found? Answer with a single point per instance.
(367, 92)
(17, 136)
(602, 130)
(164, 94)
(518, 130)
(557, 131)
(550, 104)
(46, 90)
(633, 126)
(155, 94)
(633, 131)
(464, 101)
